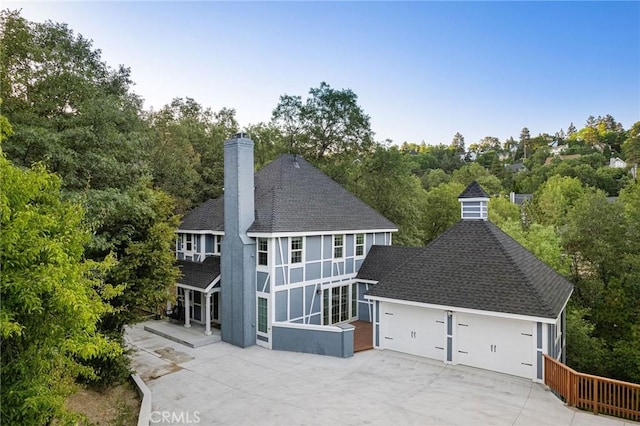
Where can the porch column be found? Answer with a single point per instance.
(207, 314)
(187, 305)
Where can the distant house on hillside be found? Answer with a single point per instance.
(557, 148)
(617, 163)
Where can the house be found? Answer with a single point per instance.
(556, 148)
(287, 259)
(273, 262)
(617, 163)
(520, 199)
(473, 296)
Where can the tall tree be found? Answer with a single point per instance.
(330, 121)
(458, 143)
(52, 298)
(525, 135)
(442, 210)
(69, 109)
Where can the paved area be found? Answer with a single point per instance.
(193, 336)
(223, 384)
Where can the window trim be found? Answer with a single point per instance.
(263, 253)
(359, 245)
(336, 246)
(298, 250)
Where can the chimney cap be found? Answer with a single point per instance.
(240, 135)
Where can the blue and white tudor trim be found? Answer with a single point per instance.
(294, 277)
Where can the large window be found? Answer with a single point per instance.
(359, 244)
(263, 252)
(337, 302)
(296, 249)
(262, 315)
(338, 246)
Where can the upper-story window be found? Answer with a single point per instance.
(218, 243)
(359, 244)
(263, 251)
(189, 242)
(296, 249)
(180, 243)
(338, 246)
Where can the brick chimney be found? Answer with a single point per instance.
(238, 263)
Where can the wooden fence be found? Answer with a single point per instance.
(593, 393)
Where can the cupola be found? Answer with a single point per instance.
(473, 202)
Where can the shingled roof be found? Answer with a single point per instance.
(473, 190)
(291, 195)
(199, 274)
(475, 265)
(382, 260)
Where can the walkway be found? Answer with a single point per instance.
(226, 385)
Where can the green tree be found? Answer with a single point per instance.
(441, 211)
(137, 226)
(52, 298)
(386, 184)
(433, 178)
(330, 121)
(68, 109)
(631, 145)
(554, 199)
(474, 171)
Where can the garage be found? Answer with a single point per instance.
(413, 330)
(497, 344)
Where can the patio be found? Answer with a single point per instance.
(193, 337)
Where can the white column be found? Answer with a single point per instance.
(187, 305)
(207, 314)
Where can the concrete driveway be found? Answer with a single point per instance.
(223, 384)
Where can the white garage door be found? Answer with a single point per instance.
(497, 344)
(413, 330)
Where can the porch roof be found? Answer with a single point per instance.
(199, 275)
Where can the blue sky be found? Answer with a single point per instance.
(422, 70)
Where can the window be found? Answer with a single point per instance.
(218, 243)
(338, 245)
(354, 299)
(335, 304)
(263, 252)
(359, 244)
(262, 315)
(189, 242)
(179, 243)
(296, 249)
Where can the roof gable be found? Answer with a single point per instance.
(291, 195)
(475, 265)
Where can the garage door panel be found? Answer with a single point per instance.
(497, 344)
(413, 330)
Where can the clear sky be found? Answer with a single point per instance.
(422, 70)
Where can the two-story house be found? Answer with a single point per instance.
(278, 253)
(287, 258)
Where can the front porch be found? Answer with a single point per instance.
(193, 336)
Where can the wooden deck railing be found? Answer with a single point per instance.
(593, 393)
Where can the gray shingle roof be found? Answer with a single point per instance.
(291, 195)
(473, 190)
(199, 274)
(382, 260)
(475, 265)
